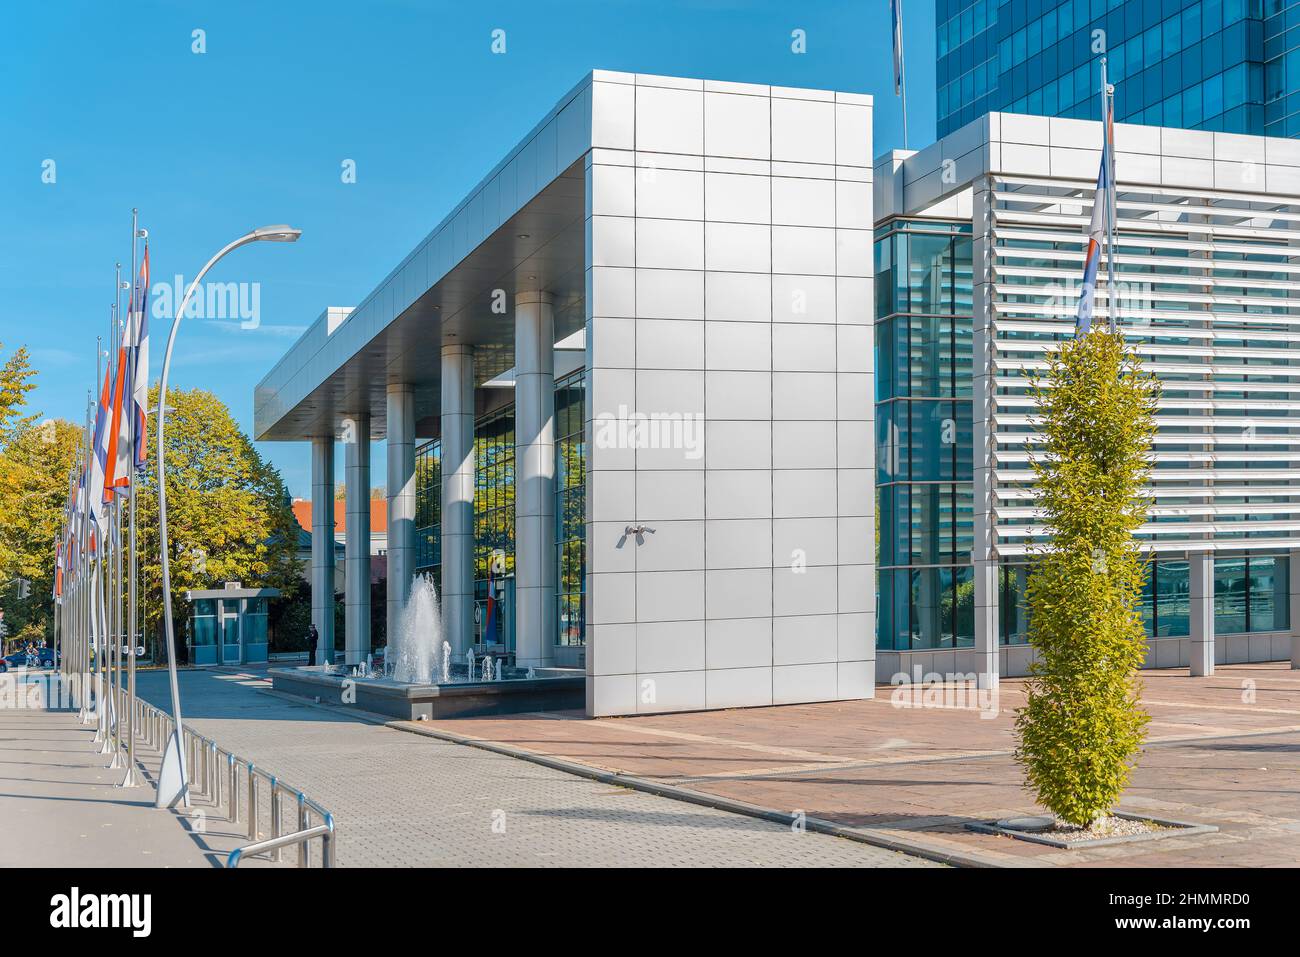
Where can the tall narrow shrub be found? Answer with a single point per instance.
(1082, 725)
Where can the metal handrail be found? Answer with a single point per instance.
(203, 762)
(324, 831)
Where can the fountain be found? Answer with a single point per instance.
(410, 656)
(414, 684)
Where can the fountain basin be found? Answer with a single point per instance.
(558, 689)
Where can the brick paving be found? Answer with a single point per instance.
(404, 799)
(1223, 750)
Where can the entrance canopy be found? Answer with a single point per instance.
(521, 229)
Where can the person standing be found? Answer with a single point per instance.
(313, 638)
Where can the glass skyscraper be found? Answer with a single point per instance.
(1228, 66)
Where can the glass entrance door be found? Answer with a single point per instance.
(229, 635)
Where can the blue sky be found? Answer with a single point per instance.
(255, 129)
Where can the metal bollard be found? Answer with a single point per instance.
(252, 802)
(275, 817)
(234, 788)
(302, 826)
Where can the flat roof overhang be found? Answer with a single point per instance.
(450, 289)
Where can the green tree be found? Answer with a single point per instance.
(16, 377)
(34, 468)
(1082, 724)
(228, 515)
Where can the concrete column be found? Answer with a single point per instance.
(356, 554)
(1294, 601)
(1200, 588)
(401, 500)
(983, 554)
(322, 545)
(457, 588)
(534, 480)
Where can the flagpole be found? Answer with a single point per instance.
(92, 615)
(1107, 129)
(133, 320)
(900, 63)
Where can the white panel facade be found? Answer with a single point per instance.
(730, 400)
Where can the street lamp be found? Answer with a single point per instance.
(172, 786)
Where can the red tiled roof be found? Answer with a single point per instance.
(378, 515)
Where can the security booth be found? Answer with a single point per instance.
(228, 624)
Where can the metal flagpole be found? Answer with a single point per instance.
(1107, 129)
(81, 668)
(900, 64)
(115, 532)
(92, 581)
(133, 319)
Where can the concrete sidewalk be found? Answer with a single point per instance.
(914, 767)
(59, 806)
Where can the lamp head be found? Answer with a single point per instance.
(277, 234)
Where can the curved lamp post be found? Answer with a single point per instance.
(172, 779)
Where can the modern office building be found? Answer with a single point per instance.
(626, 390)
(647, 388)
(979, 251)
(1218, 65)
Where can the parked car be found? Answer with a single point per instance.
(42, 658)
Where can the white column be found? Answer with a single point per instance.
(1294, 601)
(1201, 600)
(401, 500)
(984, 559)
(534, 480)
(458, 496)
(322, 546)
(356, 553)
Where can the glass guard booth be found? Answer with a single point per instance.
(228, 625)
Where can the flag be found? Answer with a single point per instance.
(139, 338)
(896, 11)
(58, 570)
(116, 465)
(98, 457)
(1096, 230)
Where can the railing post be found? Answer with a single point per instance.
(214, 779)
(275, 816)
(302, 826)
(234, 788)
(327, 843)
(252, 802)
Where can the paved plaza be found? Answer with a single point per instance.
(897, 770)
(1223, 750)
(405, 799)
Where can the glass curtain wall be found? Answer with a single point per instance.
(428, 509)
(570, 510)
(494, 515)
(924, 458)
(494, 526)
(1251, 594)
(1226, 65)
